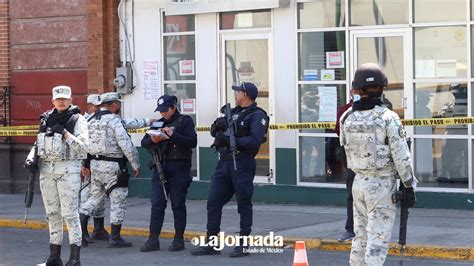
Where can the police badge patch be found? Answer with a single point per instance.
(402, 132)
(264, 122)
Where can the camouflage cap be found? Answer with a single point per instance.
(63, 92)
(94, 99)
(111, 97)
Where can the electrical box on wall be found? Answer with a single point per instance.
(124, 79)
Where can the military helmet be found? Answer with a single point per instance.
(369, 75)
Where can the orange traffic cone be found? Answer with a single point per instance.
(300, 259)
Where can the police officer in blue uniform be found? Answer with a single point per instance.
(251, 126)
(170, 141)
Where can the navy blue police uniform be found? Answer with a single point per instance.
(176, 163)
(251, 126)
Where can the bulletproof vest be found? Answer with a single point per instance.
(242, 129)
(365, 140)
(98, 125)
(171, 150)
(52, 146)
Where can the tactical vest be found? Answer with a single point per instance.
(171, 150)
(243, 130)
(98, 132)
(52, 146)
(365, 140)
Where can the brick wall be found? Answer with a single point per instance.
(4, 59)
(103, 44)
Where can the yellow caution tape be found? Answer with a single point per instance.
(32, 130)
(19, 127)
(18, 133)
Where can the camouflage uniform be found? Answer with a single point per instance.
(110, 141)
(86, 185)
(377, 151)
(60, 166)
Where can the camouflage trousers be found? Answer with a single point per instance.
(85, 195)
(60, 192)
(374, 215)
(103, 176)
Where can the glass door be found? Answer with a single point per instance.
(246, 58)
(391, 50)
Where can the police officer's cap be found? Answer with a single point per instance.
(111, 97)
(94, 99)
(369, 75)
(165, 102)
(248, 88)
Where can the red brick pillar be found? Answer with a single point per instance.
(102, 44)
(4, 59)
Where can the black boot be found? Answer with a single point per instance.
(116, 241)
(177, 245)
(239, 250)
(86, 239)
(152, 244)
(205, 250)
(74, 259)
(99, 232)
(54, 256)
(178, 242)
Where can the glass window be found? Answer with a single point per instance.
(322, 55)
(179, 52)
(319, 103)
(472, 51)
(472, 10)
(378, 12)
(441, 100)
(248, 19)
(441, 162)
(321, 14)
(439, 11)
(178, 23)
(185, 92)
(321, 160)
(440, 52)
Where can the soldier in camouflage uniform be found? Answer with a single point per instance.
(99, 233)
(110, 147)
(61, 144)
(377, 152)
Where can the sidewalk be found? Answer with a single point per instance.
(447, 234)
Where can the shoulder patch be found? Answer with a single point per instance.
(264, 122)
(402, 132)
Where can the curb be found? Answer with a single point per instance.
(419, 251)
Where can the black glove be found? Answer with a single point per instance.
(58, 128)
(220, 124)
(221, 140)
(408, 197)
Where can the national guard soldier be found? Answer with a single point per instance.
(171, 142)
(251, 124)
(376, 149)
(110, 147)
(99, 233)
(61, 146)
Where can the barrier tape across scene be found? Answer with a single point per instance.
(32, 130)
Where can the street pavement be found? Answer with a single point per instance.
(29, 247)
(450, 228)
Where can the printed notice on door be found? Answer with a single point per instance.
(327, 104)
